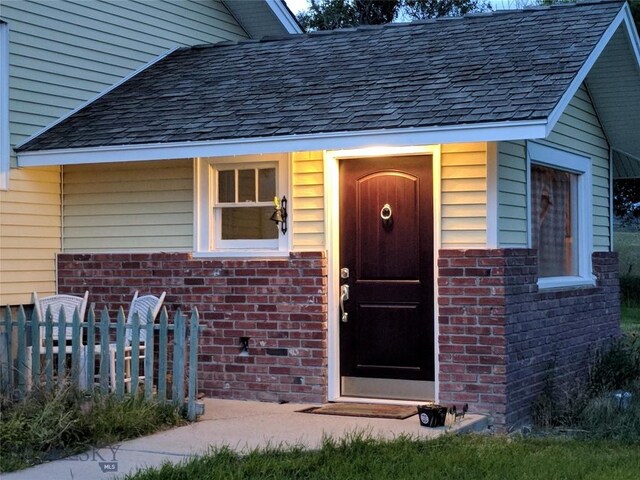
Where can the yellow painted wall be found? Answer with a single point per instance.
(464, 195)
(308, 201)
(29, 234)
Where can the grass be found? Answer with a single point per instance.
(627, 244)
(630, 319)
(48, 426)
(449, 457)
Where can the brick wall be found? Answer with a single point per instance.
(280, 304)
(500, 337)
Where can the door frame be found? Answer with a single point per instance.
(331, 162)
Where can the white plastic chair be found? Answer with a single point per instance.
(57, 304)
(142, 306)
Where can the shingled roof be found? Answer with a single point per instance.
(485, 68)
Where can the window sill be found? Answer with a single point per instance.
(565, 282)
(242, 254)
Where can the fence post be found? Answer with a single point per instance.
(178, 358)
(35, 347)
(104, 351)
(7, 360)
(120, 353)
(148, 359)
(62, 346)
(193, 365)
(162, 355)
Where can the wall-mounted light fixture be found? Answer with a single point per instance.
(280, 213)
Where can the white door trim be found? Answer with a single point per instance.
(332, 241)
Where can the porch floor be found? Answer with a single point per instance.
(241, 426)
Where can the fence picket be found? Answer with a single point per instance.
(120, 331)
(193, 365)
(7, 363)
(135, 353)
(35, 348)
(162, 355)
(48, 349)
(104, 351)
(178, 358)
(22, 350)
(62, 346)
(90, 355)
(148, 360)
(76, 344)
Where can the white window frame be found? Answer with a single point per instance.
(207, 216)
(538, 154)
(5, 138)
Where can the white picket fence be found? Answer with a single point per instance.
(95, 346)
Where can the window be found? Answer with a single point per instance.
(560, 216)
(235, 202)
(5, 149)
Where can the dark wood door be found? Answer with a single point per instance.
(388, 332)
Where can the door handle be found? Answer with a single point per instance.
(344, 295)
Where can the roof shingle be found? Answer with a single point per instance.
(507, 66)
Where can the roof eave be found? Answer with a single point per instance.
(625, 16)
(488, 132)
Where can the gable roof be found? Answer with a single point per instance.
(511, 68)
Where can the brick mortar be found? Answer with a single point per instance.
(280, 303)
(504, 337)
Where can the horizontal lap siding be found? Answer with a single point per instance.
(512, 194)
(30, 234)
(464, 195)
(579, 131)
(308, 201)
(140, 206)
(62, 54)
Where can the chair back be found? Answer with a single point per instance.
(147, 307)
(60, 303)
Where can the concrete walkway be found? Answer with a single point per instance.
(239, 425)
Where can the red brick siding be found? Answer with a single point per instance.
(500, 337)
(280, 304)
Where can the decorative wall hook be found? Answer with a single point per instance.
(280, 213)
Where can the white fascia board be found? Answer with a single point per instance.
(284, 15)
(623, 16)
(99, 95)
(491, 132)
(5, 139)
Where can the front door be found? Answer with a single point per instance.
(386, 277)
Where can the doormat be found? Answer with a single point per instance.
(398, 412)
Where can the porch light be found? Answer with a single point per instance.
(280, 213)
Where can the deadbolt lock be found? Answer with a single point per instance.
(344, 273)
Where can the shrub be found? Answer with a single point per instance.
(630, 290)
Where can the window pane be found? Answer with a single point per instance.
(248, 223)
(247, 185)
(554, 221)
(266, 184)
(227, 186)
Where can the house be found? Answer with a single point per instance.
(54, 56)
(447, 187)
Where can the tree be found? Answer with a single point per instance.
(332, 14)
(635, 10)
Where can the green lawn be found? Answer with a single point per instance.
(627, 244)
(450, 457)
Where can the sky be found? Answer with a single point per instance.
(298, 5)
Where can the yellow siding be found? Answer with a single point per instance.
(464, 195)
(308, 201)
(61, 54)
(139, 206)
(30, 234)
